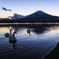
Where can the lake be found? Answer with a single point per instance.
(34, 45)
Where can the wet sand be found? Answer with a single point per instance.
(54, 54)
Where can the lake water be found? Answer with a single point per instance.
(34, 45)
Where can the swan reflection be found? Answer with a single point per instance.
(13, 43)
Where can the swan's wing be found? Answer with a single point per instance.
(11, 38)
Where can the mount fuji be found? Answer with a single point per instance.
(36, 16)
(40, 15)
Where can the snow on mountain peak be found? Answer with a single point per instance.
(39, 12)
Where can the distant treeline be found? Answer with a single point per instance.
(30, 21)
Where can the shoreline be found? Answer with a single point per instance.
(54, 54)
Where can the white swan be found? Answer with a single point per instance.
(12, 37)
(7, 34)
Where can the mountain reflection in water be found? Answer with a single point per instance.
(34, 45)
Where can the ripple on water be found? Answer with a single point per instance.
(30, 46)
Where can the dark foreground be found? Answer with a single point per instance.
(54, 54)
(30, 21)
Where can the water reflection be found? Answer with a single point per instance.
(35, 28)
(13, 43)
(42, 39)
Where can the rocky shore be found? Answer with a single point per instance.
(54, 54)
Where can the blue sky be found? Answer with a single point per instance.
(26, 7)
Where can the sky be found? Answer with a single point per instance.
(26, 7)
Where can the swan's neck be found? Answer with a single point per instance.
(14, 35)
(10, 32)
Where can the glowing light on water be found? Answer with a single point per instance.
(10, 27)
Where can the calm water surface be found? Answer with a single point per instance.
(34, 45)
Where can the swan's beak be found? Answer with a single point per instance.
(15, 32)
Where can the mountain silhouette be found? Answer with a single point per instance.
(40, 15)
(16, 16)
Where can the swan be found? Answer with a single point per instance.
(7, 34)
(28, 30)
(12, 38)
